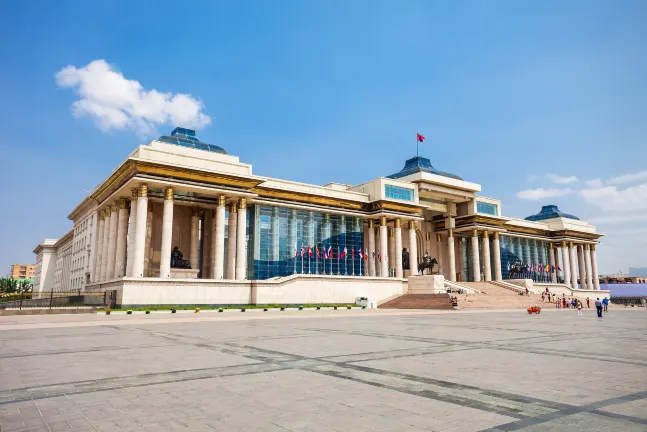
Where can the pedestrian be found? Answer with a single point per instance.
(563, 302)
(579, 308)
(588, 303)
(605, 302)
(542, 297)
(598, 306)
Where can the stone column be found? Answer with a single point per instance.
(594, 267)
(213, 241)
(566, 264)
(96, 270)
(496, 246)
(487, 271)
(384, 266)
(132, 221)
(219, 267)
(390, 255)
(139, 245)
(571, 258)
(231, 245)
(439, 253)
(167, 234)
(371, 248)
(148, 239)
(122, 233)
(553, 265)
(193, 254)
(413, 249)
(397, 231)
(112, 242)
(452, 255)
(106, 237)
(275, 234)
(589, 269)
(476, 263)
(241, 238)
(581, 266)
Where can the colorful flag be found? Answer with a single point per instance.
(366, 255)
(309, 251)
(330, 252)
(317, 251)
(352, 253)
(559, 268)
(344, 252)
(302, 251)
(361, 255)
(419, 137)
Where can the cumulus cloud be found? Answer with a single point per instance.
(596, 183)
(115, 102)
(541, 193)
(629, 178)
(560, 179)
(623, 219)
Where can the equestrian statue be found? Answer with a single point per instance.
(428, 262)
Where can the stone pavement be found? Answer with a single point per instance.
(325, 371)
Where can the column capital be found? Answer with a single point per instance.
(195, 211)
(143, 190)
(134, 193)
(485, 234)
(570, 245)
(383, 221)
(115, 206)
(450, 233)
(242, 204)
(592, 248)
(550, 245)
(370, 223)
(585, 246)
(495, 234)
(438, 239)
(563, 243)
(233, 208)
(123, 203)
(475, 232)
(168, 194)
(412, 225)
(102, 214)
(220, 201)
(398, 223)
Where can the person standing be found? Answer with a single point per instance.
(598, 306)
(605, 302)
(588, 303)
(579, 308)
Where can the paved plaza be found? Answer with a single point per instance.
(357, 370)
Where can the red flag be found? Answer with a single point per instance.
(317, 251)
(309, 251)
(420, 138)
(344, 252)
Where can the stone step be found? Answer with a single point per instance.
(419, 301)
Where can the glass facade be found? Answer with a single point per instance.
(397, 192)
(526, 251)
(487, 208)
(279, 234)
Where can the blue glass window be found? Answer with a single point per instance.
(397, 192)
(487, 208)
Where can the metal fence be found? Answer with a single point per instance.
(52, 299)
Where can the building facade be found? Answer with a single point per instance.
(22, 271)
(184, 211)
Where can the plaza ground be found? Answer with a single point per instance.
(346, 370)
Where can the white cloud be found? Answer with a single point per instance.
(620, 219)
(596, 183)
(629, 178)
(561, 180)
(116, 102)
(541, 193)
(612, 200)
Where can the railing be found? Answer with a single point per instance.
(52, 299)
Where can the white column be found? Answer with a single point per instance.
(594, 267)
(122, 233)
(132, 221)
(589, 269)
(148, 238)
(390, 255)
(476, 263)
(167, 234)
(397, 232)
(193, 253)
(581, 266)
(96, 269)
(413, 249)
(214, 241)
(241, 237)
(371, 248)
(571, 257)
(566, 269)
(112, 242)
(487, 272)
(139, 244)
(439, 254)
(553, 265)
(496, 246)
(106, 237)
(220, 238)
(231, 245)
(452, 255)
(384, 266)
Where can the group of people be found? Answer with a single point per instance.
(574, 303)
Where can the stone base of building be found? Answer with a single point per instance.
(178, 273)
(560, 289)
(428, 284)
(295, 289)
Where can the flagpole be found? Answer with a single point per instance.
(301, 259)
(317, 262)
(295, 258)
(353, 264)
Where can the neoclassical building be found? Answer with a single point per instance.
(181, 221)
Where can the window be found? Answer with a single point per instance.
(397, 192)
(487, 208)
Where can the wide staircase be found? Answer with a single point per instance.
(496, 297)
(419, 301)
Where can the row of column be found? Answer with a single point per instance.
(587, 264)
(488, 275)
(117, 238)
(384, 248)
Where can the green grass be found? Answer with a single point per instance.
(204, 308)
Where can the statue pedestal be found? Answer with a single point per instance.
(178, 273)
(427, 284)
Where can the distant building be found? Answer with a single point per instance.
(22, 271)
(638, 272)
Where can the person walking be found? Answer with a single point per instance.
(588, 303)
(605, 302)
(598, 306)
(579, 308)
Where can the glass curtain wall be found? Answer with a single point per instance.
(286, 241)
(533, 252)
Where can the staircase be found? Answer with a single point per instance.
(419, 301)
(493, 296)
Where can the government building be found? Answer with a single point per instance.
(180, 221)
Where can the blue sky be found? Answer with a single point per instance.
(506, 92)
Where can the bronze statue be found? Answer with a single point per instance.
(428, 262)
(405, 259)
(517, 271)
(177, 261)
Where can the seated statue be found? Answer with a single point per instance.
(177, 261)
(405, 259)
